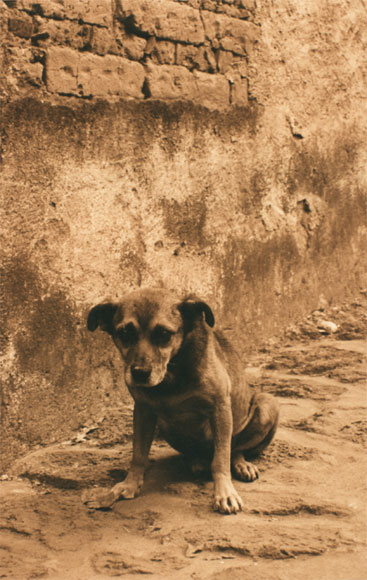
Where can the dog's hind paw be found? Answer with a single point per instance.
(98, 498)
(244, 470)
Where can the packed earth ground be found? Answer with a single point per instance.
(305, 517)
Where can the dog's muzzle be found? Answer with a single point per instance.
(141, 375)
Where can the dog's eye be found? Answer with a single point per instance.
(161, 336)
(128, 334)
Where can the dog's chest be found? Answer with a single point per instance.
(187, 410)
(189, 418)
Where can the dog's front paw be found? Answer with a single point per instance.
(226, 499)
(127, 489)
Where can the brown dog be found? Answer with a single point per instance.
(185, 375)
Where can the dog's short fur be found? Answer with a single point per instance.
(185, 375)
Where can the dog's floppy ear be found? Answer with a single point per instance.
(102, 316)
(192, 308)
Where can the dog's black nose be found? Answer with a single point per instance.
(140, 375)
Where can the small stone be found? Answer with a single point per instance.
(327, 327)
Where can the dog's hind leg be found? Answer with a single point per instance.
(255, 437)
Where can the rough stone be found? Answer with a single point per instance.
(163, 19)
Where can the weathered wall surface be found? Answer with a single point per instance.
(214, 146)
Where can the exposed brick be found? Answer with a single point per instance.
(236, 9)
(239, 91)
(176, 82)
(196, 57)
(163, 19)
(193, 3)
(170, 82)
(133, 46)
(161, 51)
(101, 40)
(63, 32)
(212, 91)
(24, 62)
(237, 36)
(42, 7)
(229, 62)
(32, 73)
(89, 11)
(110, 76)
(21, 25)
(62, 70)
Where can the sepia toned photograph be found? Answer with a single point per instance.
(183, 289)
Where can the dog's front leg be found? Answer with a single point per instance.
(144, 425)
(226, 499)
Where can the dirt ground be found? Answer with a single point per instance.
(305, 518)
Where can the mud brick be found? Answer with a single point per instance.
(212, 91)
(33, 73)
(177, 82)
(89, 11)
(193, 3)
(97, 12)
(101, 40)
(134, 46)
(170, 82)
(21, 25)
(239, 91)
(43, 7)
(110, 76)
(164, 19)
(237, 9)
(161, 51)
(196, 57)
(237, 36)
(63, 32)
(229, 62)
(62, 70)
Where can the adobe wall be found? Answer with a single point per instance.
(210, 146)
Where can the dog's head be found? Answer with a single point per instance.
(149, 328)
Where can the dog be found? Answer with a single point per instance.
(185, 375)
